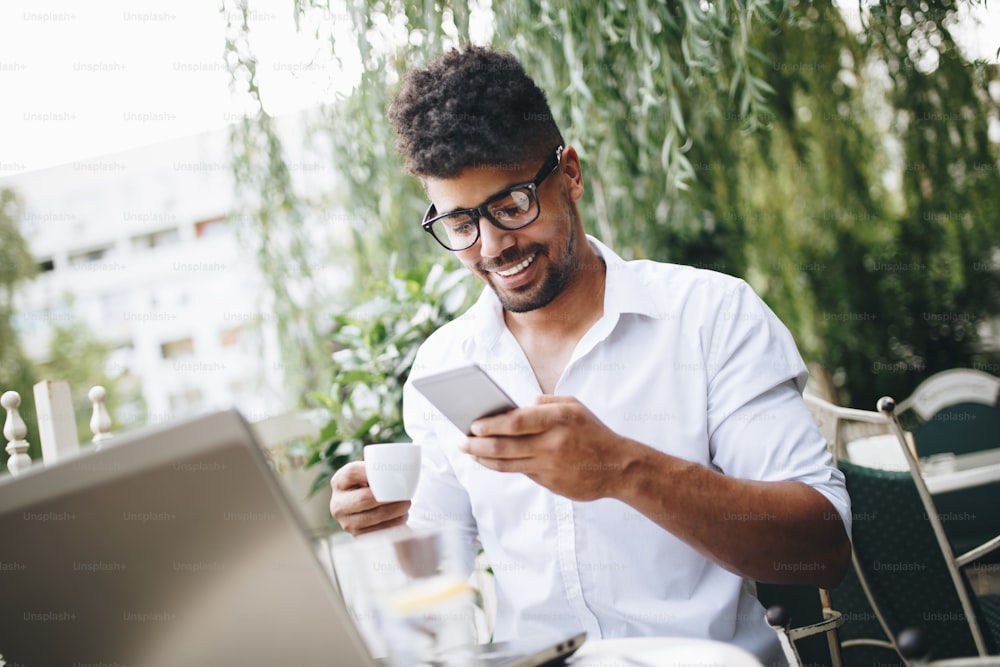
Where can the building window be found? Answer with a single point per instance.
(174, 349)
(186, 401)
(46, 265)
(157, 239)
(211, 227)
(229, 337)
(92, 255)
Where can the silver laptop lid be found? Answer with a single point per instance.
(171, 547)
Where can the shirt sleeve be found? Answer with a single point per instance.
(440, 497)
(760, 428)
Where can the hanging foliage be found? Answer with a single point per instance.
(847, 175)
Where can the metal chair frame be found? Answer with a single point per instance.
(777, 617)
(957, 385)
(835, 422)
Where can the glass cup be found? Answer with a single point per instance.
(416, 583)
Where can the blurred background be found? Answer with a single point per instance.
(200, 203)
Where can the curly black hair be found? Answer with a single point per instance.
(471, 107)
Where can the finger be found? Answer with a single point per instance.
(504, 465)
(499, 448)
(383, 514)
(379, 515)
(350, 476)
(522, 421)
(352, 501)
(399, 521)
(355, 520)
(543, 399)
(361, 501)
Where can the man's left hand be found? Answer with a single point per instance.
(558, 443)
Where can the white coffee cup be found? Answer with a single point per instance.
(393, 470)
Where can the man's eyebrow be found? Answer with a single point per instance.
(502, 190)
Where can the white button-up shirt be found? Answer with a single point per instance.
(687, 361)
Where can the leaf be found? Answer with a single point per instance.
(364, 431)
(329, 431)
(430, 282)
(670, 132)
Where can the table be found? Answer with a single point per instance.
(941, 472)
(660, 652)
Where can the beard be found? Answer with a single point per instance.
(540, 293)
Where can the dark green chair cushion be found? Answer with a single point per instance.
(902, 562)
(990, 606)
(860, 621)
(959, 428)
(871, 656)
(969, 516)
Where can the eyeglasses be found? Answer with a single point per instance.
(511, 209)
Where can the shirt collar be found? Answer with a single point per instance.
(624, 292)
(624, 289)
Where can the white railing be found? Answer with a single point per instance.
(56, 424)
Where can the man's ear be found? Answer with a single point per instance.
(569, 166)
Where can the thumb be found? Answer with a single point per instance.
(545, 399)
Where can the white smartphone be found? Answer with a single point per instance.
(464, 394)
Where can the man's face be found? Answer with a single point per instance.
(529, 267)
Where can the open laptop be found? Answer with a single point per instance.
(175, 547)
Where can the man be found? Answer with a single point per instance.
(663, 457)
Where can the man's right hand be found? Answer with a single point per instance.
(355, 508)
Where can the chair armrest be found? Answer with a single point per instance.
(779, 620)
(978, 552)
(834, 619)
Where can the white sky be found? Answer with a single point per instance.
(79, 80)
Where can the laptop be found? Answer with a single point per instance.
(176, 546)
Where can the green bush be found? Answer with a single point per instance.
(376, 342)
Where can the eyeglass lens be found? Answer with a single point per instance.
(513, 209)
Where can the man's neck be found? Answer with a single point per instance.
(574, 310)
(548, 336)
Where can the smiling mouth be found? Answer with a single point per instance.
(517, 268)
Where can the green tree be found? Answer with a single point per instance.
(16, 266)
(764, 139)
(944, 232)
(77, 356)
(74, 354)
(377, 342)
(384, 202)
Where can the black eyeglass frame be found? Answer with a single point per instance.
(482, 211)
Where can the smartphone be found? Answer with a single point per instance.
(464, 394)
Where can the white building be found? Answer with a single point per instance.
(141, 242)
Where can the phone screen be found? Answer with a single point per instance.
(464, 394)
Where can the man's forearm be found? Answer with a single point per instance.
(779, 532)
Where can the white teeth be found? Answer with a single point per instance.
(516, 269)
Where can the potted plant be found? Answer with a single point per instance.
(376, 343)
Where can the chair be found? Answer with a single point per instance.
(917, 652)
(779, 619)
(944, 393)
(903, 560)
(955, 419)
(863, 640)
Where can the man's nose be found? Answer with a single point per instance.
(493, 240)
